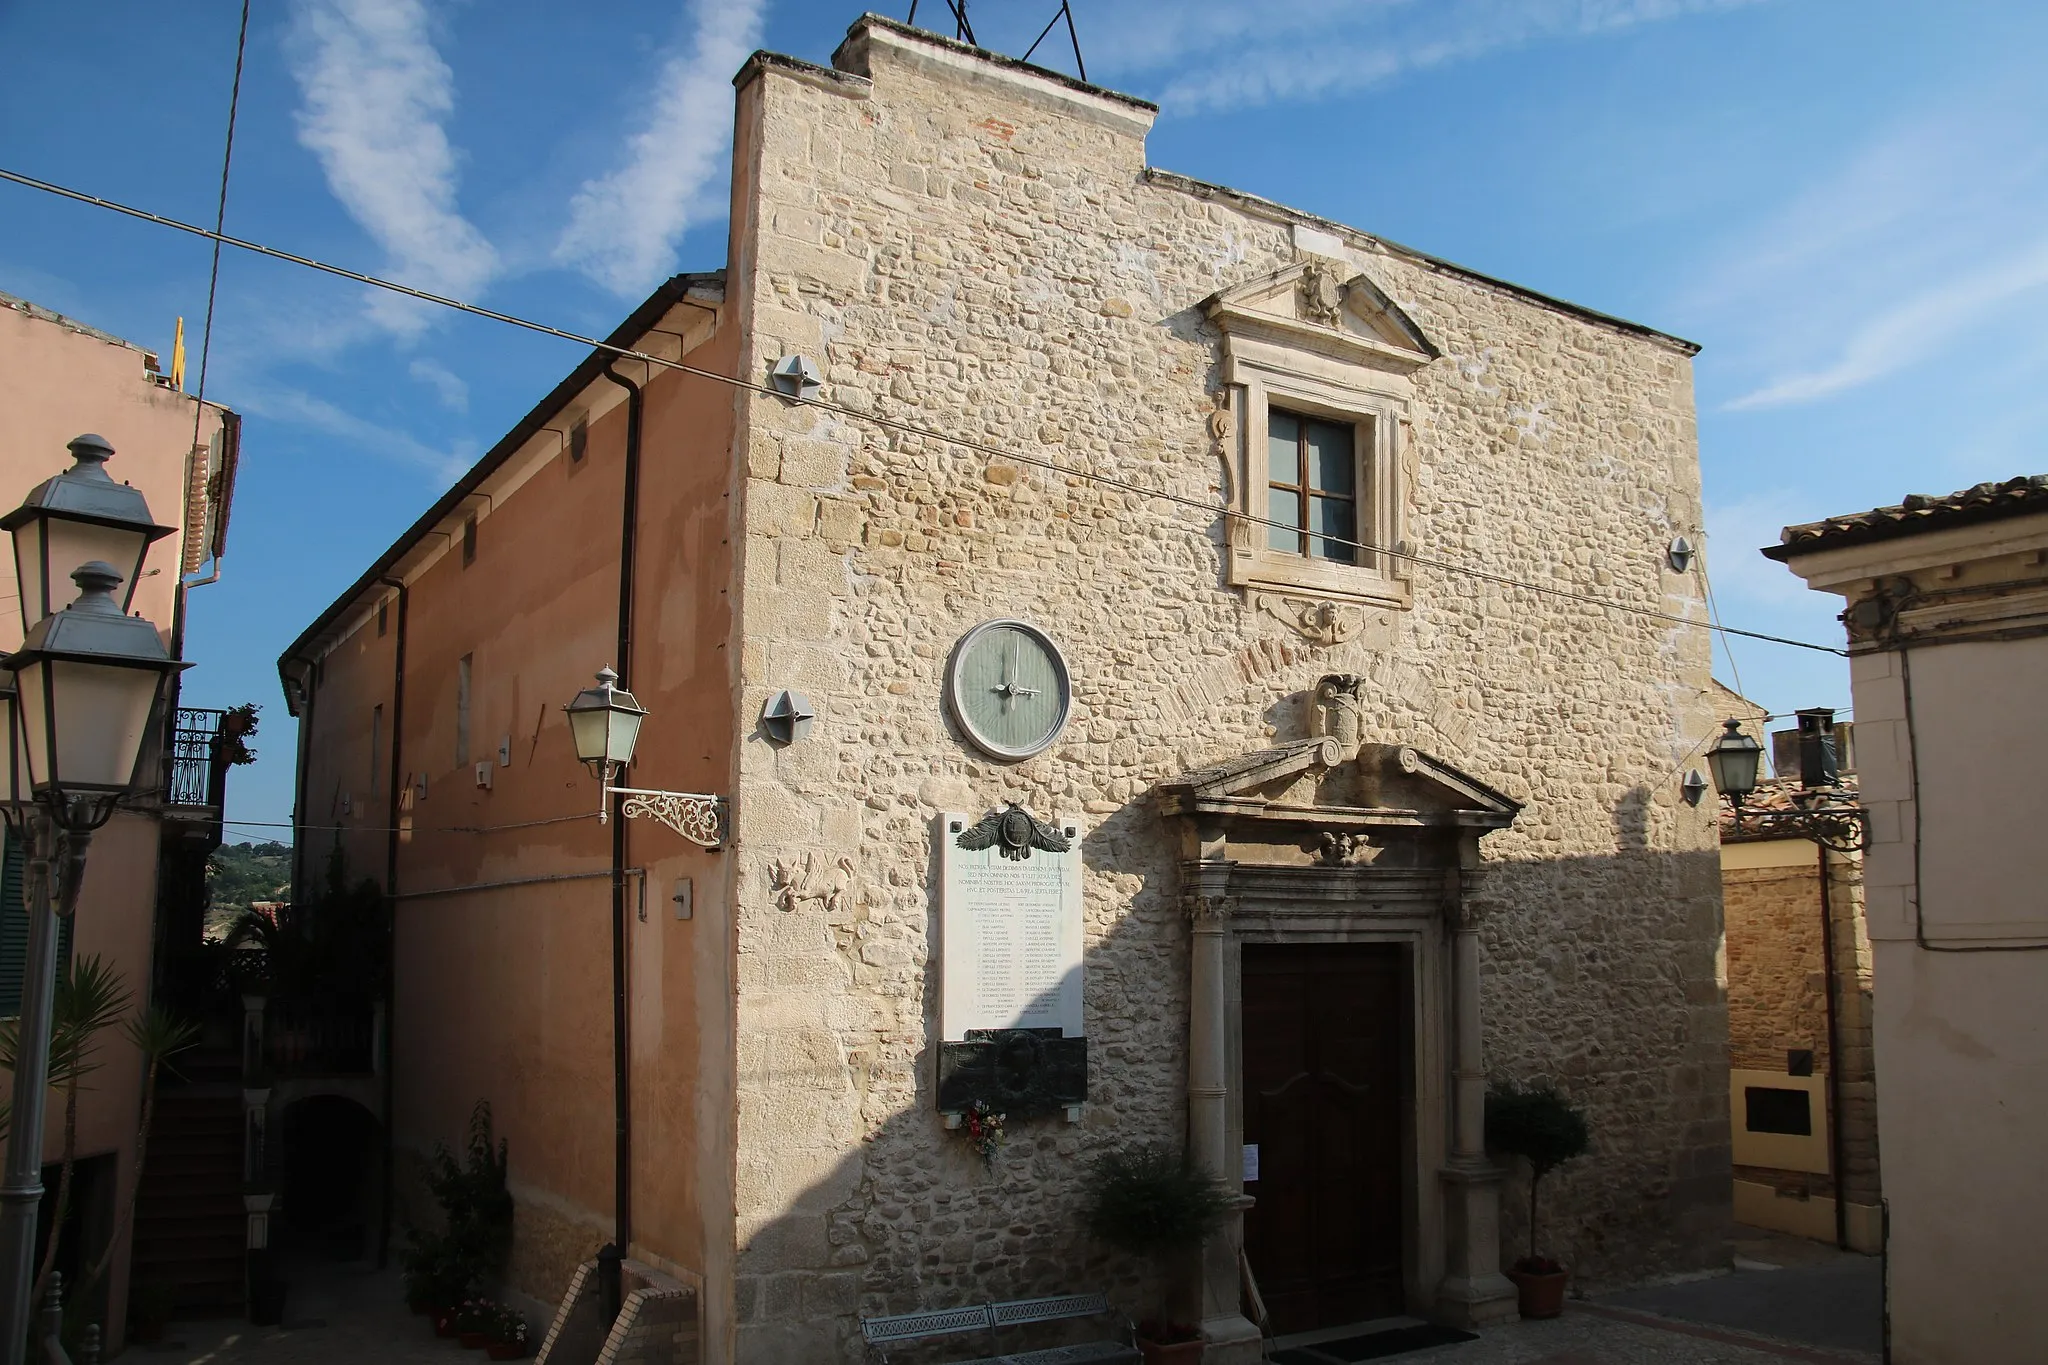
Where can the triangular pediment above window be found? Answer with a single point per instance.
(1321, 781)
(1324, 306)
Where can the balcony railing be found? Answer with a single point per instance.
(284, 1039)
(195, 759)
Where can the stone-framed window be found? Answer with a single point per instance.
(1316, 484)
(1313, 418)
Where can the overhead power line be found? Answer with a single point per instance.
(220, 219)
(895, 424)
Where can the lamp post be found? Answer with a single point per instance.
(85, 685)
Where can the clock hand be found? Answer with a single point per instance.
(1006, 689)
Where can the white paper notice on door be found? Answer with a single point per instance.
(1251, 1162)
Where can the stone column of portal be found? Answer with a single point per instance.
(1231, 1337)
(1473, 1292)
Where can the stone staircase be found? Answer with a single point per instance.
(190, 1224)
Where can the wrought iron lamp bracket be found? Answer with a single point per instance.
(1843, 831)
(696, 816)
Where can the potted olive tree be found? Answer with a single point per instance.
(1150, 1203)
(1544, 1128)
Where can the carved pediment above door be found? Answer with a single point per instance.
(1322, 784)
(1322, 306)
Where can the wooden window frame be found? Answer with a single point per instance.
(1306, 491)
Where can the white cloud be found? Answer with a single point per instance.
(304, 409)
(624, 226)
(1231, 55)
(447, 385)
(1892, 339)
(376, 94)
(1928, 232)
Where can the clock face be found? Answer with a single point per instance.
(1007, 686)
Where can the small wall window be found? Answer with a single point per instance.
(469, 540)
(1777, 1111)
(462, 669)
(579, 440)
(382, 610)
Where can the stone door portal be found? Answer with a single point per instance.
(1325, 1066)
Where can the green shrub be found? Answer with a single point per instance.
(445, 1268)
(1542, 1127)
(1151, 1203)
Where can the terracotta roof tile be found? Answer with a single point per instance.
(1919, 512)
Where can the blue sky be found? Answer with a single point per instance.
(1844, 201)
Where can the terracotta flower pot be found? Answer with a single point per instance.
(474, 1341)
(1170, 1352)
(1542, 1296)
(507, 1350)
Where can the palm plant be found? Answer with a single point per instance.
(89, 999)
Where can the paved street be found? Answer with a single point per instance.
(1791, 1301)
(335, 1316)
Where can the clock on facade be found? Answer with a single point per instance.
(1008, 688)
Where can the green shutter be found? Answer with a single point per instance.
(14, 930)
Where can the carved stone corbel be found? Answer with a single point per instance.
(1320, 622)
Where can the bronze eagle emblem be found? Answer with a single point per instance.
(1017, 830)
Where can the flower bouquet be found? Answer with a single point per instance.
(984, 1129)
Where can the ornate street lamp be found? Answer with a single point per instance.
(604, 723)
(1733, 761)
(75, 518)
(86, 682)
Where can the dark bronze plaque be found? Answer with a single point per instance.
(1021, 1073)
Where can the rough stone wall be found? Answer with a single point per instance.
(962, 254)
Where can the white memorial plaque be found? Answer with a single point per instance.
(1010, 933)
(1251, 1162)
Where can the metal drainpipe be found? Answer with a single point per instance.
(307, 694)
(1827, 952)
(392, 777)
(622, 1094)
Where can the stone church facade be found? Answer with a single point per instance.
(1306, 760)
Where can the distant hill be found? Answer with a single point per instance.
(240, 873)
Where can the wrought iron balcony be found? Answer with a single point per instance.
(195, 759)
